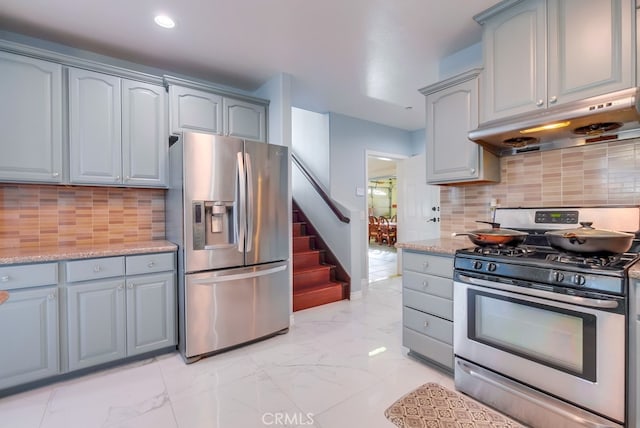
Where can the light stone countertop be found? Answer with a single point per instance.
(70, 252)
(634, 272)
(447, 246)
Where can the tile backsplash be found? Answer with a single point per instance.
(43, 215)
(597, 175)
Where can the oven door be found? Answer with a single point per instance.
(571, 351)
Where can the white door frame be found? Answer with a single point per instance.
(365, 209)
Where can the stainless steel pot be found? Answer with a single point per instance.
(494, 236)
(588, 240)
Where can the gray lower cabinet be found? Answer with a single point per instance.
(151, 312)
(427, 299)
(29, 337)
(119, 307)
(96, 322)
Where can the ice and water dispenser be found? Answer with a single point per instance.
(214, 224)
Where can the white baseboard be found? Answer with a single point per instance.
(355, 295)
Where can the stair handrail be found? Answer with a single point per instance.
(320, 190)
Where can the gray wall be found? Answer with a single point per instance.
(310, 141)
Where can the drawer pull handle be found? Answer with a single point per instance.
(426, 324)
(151, 264)
(5, 278)
(97, 268)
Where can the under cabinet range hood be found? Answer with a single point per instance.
(609, 117)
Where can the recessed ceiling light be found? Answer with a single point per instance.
(164, 21)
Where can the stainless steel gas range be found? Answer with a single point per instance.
(540, 334)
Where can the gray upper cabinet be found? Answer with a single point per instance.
(95, 126)
(541, 53)
(117, 131)
(30, 119)
(452, 111)
(194, 110)
(199, 110)
(144, 134)
(244, 120)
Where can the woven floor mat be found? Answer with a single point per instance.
(434, 406)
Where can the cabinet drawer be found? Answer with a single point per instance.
(149, 263)
(428, 324)
(426, 263)
(428, 303)
(436, 285)
(431, 349)
(22, 276)
(85, 270)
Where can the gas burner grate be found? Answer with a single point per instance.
(584, 261)
(501, 250)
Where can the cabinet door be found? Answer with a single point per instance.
(30, 119)
(451, 114)
(96, 322)
(144, 134)
(514, 43)
(151, 312)
(194, 110)
(94, 127)
(590, 48)
(29, 336)
(244, 120)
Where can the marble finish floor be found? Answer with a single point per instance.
(383, 262)
(340, 365)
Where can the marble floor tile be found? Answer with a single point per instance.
(339, 365)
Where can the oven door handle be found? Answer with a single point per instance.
(576, 300)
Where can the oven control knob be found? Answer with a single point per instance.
(477, 265)
(558, 276)
(579, 280)
(491, 267)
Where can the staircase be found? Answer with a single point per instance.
(314, 280)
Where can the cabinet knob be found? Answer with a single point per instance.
(425, 264)
(55, 174)
(127, 178)
(52, 295)
(425, 283)
(553, 100)
(151, 264)
(426, 324)
(117, 178)
(5, 278)
(97, 268)
(472, 170)
(540, 103)
(130, 285)
(121, 287)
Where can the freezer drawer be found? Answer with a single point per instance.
(230, 307)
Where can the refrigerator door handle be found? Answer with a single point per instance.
(242, 188)
(224, 278)
(249, 201)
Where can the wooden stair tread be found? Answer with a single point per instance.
(312, 268)
(317, 286)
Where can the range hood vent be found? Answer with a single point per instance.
(609, 117)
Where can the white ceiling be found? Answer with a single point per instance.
(362, 58)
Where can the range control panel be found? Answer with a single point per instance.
(557, 217)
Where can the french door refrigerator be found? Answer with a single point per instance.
(227, 209)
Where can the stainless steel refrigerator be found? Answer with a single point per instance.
(227, 209)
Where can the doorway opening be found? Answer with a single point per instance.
(382, 192)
